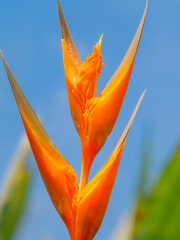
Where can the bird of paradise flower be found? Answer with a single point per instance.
(82, 207)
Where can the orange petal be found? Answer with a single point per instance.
(59, 177)
(72, 64)
(93, 200)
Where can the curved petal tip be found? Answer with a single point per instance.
(129, 124)
(66, 35)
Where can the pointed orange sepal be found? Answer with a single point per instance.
(59, 177)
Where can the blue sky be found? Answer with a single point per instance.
(30, 40)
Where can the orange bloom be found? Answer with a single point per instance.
(94, 116)
(81, 208)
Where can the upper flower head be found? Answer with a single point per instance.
(82, 208)
(94, 116)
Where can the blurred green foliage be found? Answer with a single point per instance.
(157, 215)
(156, 211)
(14, 193)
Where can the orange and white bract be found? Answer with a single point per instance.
(83, 207)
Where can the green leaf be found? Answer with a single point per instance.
(157, 215)
(14, 193)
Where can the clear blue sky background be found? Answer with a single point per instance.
(30, 40)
